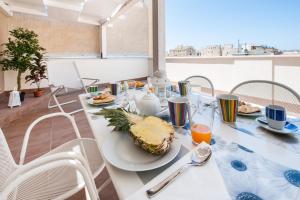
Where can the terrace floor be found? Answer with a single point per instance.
(50, 134)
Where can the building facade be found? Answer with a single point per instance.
(212, 50)
(183, 51)
(252, 49)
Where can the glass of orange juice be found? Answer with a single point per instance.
(201, 129)
(200, 133)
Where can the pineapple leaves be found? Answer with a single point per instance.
(116, 118)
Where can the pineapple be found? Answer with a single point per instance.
(150, 133)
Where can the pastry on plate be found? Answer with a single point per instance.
(102, 96)
(139, 84)
(248, 109)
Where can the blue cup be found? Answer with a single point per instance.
(276, 116)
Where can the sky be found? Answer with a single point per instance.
(206, 22)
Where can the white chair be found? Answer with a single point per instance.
(86, 147)
(201, 84)
(55, 176)
(65, 76)
(264, 92)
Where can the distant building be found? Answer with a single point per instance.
(229, 50)
(182, 51)
(212, 50)
(251, 49)
(291, 52)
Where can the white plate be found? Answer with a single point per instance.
(91, 102)
(255, 114)
(290, 129)
(120, 151)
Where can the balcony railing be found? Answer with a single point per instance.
(226, 72)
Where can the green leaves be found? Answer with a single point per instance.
(20, 51)
(37, 70)
(116, 118)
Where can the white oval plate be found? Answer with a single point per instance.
(91, 102)
(119, 150)
(284, 131)
(256, 114)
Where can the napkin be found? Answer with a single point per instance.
(195, 183)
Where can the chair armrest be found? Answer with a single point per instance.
(48, 159)
(43, 166)
(34, 123)
(94, 81)
(91, 79)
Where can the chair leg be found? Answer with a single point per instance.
(106, 183)
(54, 106)
(59, 105)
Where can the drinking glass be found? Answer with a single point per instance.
(184, 88)
(201, 130)
(115, 88)
(93, 90)
(179, 108)
(228, 107)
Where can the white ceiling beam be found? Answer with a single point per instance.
(5, 9)
(126, 6)
(55, 3)
(28, 10)
(88, 20)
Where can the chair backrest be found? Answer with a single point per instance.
(263, 92)
(64, 73)
(201, 84)
(7, 162)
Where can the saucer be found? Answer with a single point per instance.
(289, 128)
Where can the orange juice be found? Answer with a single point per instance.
(201, 133)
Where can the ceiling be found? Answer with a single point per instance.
(85, 11)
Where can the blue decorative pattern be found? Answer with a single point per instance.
(293, 177)
(247, 196)
(238, 165)
(213, 141)
(249, 176)
(245, 149)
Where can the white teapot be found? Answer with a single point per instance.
(149, 104)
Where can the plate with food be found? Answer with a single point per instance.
(140, 144)
(102, 99)
(247, 109)
(139, 84)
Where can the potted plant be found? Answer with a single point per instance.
(19, 53)
(37, 73)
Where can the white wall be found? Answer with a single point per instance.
(107, 70)
(226, 76)
(289, 75)
(223, 76)
(10, 81)
(115, 69)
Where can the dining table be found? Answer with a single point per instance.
(247, 162)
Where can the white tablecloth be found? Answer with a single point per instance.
(194, 184)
